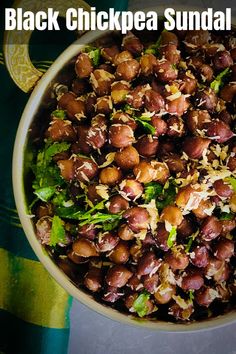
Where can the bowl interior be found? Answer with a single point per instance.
(32, 124)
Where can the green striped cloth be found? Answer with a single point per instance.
(34, 309)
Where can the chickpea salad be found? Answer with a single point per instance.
(135, 178)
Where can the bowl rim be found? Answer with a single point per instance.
(19, 195)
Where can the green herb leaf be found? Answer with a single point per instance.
(60, 198)
(109, 226)
(190, 241)
(74, 213)
(191, 295)
(226, 216)
(232, 181)
(219, 80)
(54, 149)
(45, 193)
(128, 109)
(153, 49)
(148, 127)
(59, 113)
(57, 232)
(99, 218)
(152, 190)
(47, 174)
(166, 198)
(95, 56)
(140, 304)
(150, 50)
(189, 244)
(172, 237)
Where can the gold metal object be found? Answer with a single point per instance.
(16, 43)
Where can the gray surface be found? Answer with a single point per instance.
(94, 334)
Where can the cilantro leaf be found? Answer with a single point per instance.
(140, 304)
(111, 225)
(191, 295)
(189, 244)
(47, 174)
(99, 218)
(54, 149)
(219, 80)
(166, 198)
(152, 190)
(148, 127)
(94, 55)
(153, 49)
(45, 193)
(89, 217)
(226, 216)
(60, 197)
(190, 241)
(232, 181)
(172, 237)
(57, 232)
(59, 113)
(71, 212)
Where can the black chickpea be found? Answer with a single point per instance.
(127, 70)
(120, 254)
(118, 276)
(222, 60)
(124, 118)
(107, 241)
(121, 135)
(131, 188)
(117, 204)
(137, 218)
(83, 66)
(127, 158)
(119, 91)
(147, 146)
(199, 256)
(125, 233)
(93, 279)
(165, 72)
(110, 176)
(171, 53)
(61, 130)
